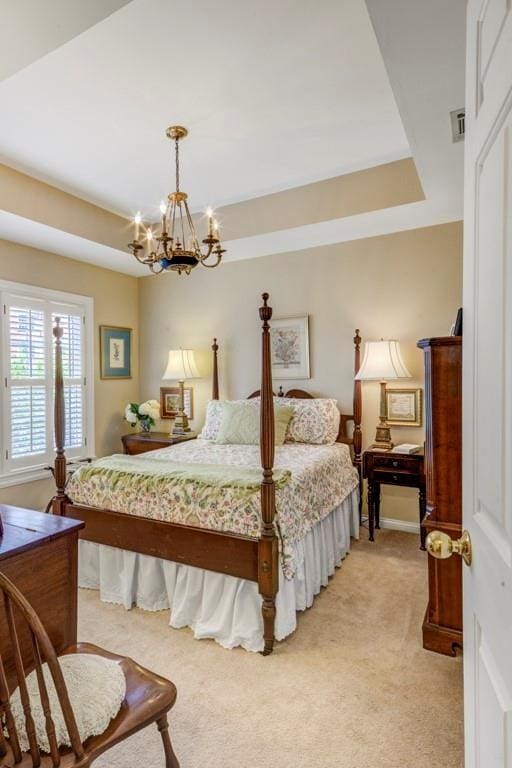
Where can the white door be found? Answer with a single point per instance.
(487, 385)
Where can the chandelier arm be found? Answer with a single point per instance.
(135, 248)
(143, 258)
(146, 261)
(156, 271)
(211, 266)
(203, 256)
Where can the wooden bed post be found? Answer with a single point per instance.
(60, 497)
(268, 557)
(215, 381)
(358, 435)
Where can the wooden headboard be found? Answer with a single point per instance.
(355, 439)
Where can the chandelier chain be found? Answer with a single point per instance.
(177, 166)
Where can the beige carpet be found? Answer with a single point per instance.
(352, 688)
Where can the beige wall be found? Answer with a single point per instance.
(115, 303)
(34, 200)
(405, 286)
(382, 186)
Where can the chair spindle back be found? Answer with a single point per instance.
(42, 651)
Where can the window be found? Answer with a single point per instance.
(27, 349)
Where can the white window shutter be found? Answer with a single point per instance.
(27, 363)
(27, 370)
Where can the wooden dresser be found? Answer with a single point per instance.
(442, 627)
(39, 553)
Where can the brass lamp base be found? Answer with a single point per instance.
(181, 425)
(383, 433)
(383, 437)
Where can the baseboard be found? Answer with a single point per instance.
(399, 525)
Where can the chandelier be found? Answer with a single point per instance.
(177, 247)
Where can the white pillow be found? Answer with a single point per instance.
(96, 688)
(315, 421)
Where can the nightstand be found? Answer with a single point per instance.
(387, 468)
(140, 442)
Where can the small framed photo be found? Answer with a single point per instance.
(289, 339)
(404, 407)
(115, 352)
(170, 402)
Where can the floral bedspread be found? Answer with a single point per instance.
(322, 476)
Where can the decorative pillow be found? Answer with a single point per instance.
(240, 423)
(212, 422)
(214, 410)
(315, 421)
(96, 688)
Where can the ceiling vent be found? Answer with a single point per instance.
(458, 121)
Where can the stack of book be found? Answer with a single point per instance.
(406, 448)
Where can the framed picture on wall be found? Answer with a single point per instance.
(289, 339)
(404, 407)
(170, 402)
(115, 352)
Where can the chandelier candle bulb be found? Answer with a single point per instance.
(138, 219)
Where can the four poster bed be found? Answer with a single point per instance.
(249, 567)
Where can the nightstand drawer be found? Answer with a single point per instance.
(397, 461)
(133, 447)
(398, 477)
(141, 442)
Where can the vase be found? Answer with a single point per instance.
(145, 426)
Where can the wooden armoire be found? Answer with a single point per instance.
(442, 626)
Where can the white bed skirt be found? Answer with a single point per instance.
(224, 608)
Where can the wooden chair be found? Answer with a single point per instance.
(148, 697)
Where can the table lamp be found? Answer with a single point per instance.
(382, 362)
(181, 365)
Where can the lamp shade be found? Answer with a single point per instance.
(382, 361)
(181, 365)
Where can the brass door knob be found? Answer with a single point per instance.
(441, 546)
